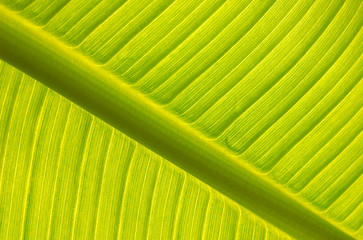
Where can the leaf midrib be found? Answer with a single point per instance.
(73, 75)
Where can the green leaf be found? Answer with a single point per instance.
(194, 119)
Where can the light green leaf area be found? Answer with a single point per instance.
(214, 119)
(66, 174)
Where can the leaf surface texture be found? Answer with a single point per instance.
(275, 83)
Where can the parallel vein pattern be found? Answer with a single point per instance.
(78, 178)
(276, 82)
